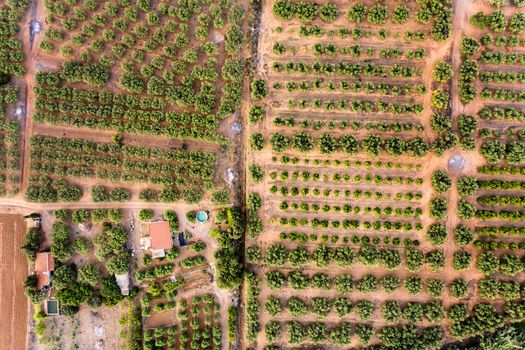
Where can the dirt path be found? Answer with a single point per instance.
(86, 203)
(106, 136)
(459, 22)
(13, 270)
(30, 48)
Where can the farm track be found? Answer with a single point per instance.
(105, 136)
(33, 14)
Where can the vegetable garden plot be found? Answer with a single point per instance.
(198, 327)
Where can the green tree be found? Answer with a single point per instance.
(469, 46)
(461, 260)
(438, 208)
(146, 214)
(467, 185)
(258, 89)
(442, 72)
(89, 274)
(463, 236)
(328, 12)
(458, 288)
(487, 263)
(63, 277)
(440, 181)
(391, 311)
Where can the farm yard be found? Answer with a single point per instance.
(262, 175)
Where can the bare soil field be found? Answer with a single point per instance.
(13, 270)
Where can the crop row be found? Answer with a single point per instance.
(375, 14)
(508, 264)
(495, 150)
(346, 224)
(10, 143)
(497, 22)
(356, 86)
(51, 85)
(347, 68)
(185, 132)
(321, 307)
(502, 94)
(501, 40)
(497, 200)
(495, 245)
(355, 239)
(358, 33)
(115, 176)
(344, 257)
(341, 334)
(347, 208)
(108, 112)
(357, 106)
(128, 151)
(372, 144)
(502, 113)
(357, 193)
(502, 77)
(348, 163)
(501, 231)
(496, 184)
(502, 58)
(345, 284)
(367, 178)
(356, 50)
(490, 288)
(125, 163)
(514, 215)
(55, 156)
(501, 170)
(253, 306)
(291, 122)
(195, 332)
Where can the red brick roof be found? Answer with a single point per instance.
(42, 279)
(160, 235)
(44, 262)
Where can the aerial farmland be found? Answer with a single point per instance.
(262, 175)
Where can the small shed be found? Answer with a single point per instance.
(123, 283)
(33, 221)
(44, 266)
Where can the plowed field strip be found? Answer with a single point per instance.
(13, 269)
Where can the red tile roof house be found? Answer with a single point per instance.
(44, 265)
(160, 238)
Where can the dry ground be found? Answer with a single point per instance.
(13, 270)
